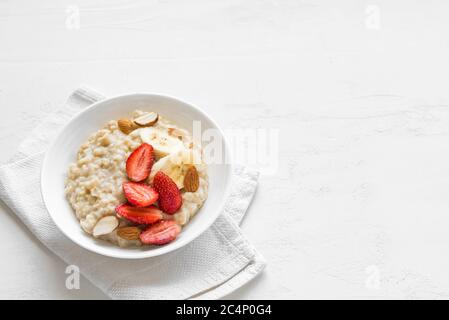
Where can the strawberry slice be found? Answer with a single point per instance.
(140, 162)
(139, 194)
(163, 232)
(170, 199)
(137, 215)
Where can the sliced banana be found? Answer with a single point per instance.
(175, 165)
(163, 143)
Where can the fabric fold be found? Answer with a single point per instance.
(215, 264)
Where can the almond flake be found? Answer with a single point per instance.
(147, 120)
(105, 226)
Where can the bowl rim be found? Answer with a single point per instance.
(149, 253)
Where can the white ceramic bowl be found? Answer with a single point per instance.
(65, 148)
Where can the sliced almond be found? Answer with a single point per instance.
(191, 180)
(129, 233)
(147, 120)
(126, 126)
(178, 133)
(105, 226)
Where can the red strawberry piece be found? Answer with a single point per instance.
(163, 232)
(139, 194)
(170, 199)
(137, 215)
(140, 162)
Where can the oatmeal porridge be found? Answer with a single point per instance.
(137, 181)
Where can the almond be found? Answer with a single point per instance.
(179, 133)
(129, 233)
(147, 120)
(105, 226)
(126, 126)
(191, 180)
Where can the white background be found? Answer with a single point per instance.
(359, 89)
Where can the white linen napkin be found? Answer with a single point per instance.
(215, 264)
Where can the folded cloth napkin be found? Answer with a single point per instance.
(210, 267)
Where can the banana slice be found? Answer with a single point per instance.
(163, 143)
(175, 166)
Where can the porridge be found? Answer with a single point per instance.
(137, 181)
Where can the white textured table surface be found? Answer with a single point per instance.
(360, 205)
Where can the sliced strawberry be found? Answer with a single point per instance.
(140, 162)
(170, 199)
(146, 215)
(139, 194)
(163, 232)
